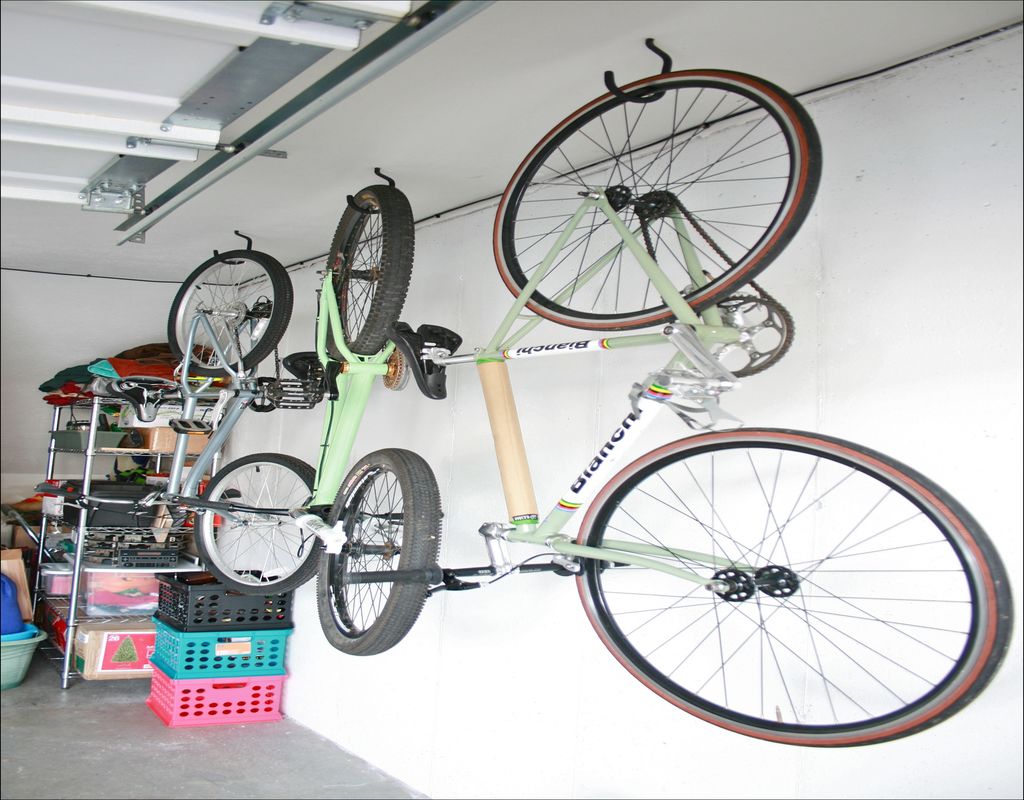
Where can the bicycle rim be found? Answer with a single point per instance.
(862, 603)
(390, 508)
(736, 159)
(371, 264)
(253, 550)
(246, 297)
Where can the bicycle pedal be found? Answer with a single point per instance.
(295, 393)
(189, 426)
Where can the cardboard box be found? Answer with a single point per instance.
(111, 594)
(13, 566)
(106, 651)
(163, 440)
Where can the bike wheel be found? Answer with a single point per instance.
(247, 297)
(858, 601)
(391, 510)
(250, 551)
(734, 157)
(371, 264)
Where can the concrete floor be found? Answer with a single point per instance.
(98, 739)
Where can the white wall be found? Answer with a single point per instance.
(51, 322)
(905, 284)
(906, 289)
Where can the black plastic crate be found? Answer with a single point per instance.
(197, 602)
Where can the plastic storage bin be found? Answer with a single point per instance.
(114, 594)
(56, 580)
(216, 701)
(189, 605)
(210, 654)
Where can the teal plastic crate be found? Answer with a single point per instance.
(215, 653)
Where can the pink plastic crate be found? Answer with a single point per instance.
(215, 701)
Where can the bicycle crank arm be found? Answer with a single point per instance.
(228, 508)
(428, 575)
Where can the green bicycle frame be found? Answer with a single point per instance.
(354, 381)
(709, 329)
(351, 392)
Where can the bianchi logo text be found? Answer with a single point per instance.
(602, 455)
(542, 348)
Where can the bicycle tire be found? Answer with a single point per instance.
(371, 264)
(818, 645)
(709, 141)
(250, 296)
(253, 553)
(368, 618)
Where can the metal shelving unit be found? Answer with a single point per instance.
(81, 531)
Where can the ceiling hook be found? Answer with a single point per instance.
(379, 174)
(248, 240)
(666, 66)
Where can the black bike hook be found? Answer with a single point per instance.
(379, 174)
(248, 239)
(666, 66)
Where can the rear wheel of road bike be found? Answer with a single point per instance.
(391, 510)
(371, 264)
(247, 297)
(252, 551)
(856, 601)
(733, 159)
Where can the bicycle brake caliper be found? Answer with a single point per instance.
(690, 385)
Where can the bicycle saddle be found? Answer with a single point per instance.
(144, 393)
(304, 365)
(430, 377)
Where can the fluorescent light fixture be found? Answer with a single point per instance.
(103, 124)
(44, 187)
(91, 140)
(239, 16)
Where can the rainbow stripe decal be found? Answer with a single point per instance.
(565, 505)
(655, 392)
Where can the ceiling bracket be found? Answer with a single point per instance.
(108, 195)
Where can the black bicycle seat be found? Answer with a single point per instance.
(304, 365)
(145, 394)
(430, 377)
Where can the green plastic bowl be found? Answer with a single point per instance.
(15, 658)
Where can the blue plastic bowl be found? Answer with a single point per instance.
(30, 631)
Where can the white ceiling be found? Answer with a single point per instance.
(450, 123)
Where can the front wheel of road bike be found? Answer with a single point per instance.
(371, 264)
(840, 597)
(246, 296)
(713, 173)
(254, 551)
(391, 510)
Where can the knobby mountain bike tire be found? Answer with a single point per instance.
(391, 510)
(371, 264)
(734, 158)
(247, 297)
(858, 602)
(252, 552)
